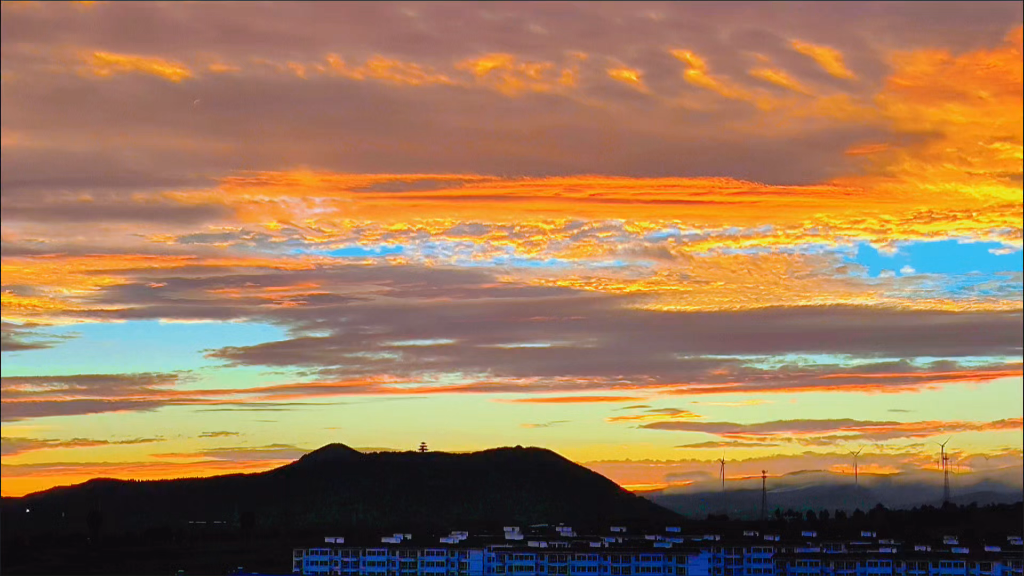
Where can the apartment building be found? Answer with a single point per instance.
(987, 563)
(499, 560)
(669, 554)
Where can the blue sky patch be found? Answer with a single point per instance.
(135, 346)
(939, 257)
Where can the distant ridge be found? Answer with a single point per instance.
(338, 488)
(745, 503)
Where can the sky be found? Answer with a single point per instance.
(644, 235)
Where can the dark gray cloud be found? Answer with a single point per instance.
(218, 434)
(736, 444)
(351, 126)
(14, 445)
(117, 211)
(98, 386)
(245, 453)
(833, 431)
(18, 338)
(587, 336)
(414, 322)
(26, 397)
(545, 424)
(444, 30)
(39, 396)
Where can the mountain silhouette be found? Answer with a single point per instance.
(339, 489)
(746, 503)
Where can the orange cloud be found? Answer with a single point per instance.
(509, 75)
(656, 415)
(532, 217)
(476, 198)
(951, 376)
(867, 149)
(388, 70)
(273, 293)
(222, 68)
(915, 192)
(830, 59)
(729, 444)
(572, 399)
(736, 404)
(960, 181)
(699, 74)
(780, 78)
(655, 486)
(751, 281)
(629, 76)
(832, 431)
(106, 64)
(869, 468)
(892, 383)
(972, 104)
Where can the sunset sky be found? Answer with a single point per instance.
(642, 235)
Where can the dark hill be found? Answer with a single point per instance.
(340, 490)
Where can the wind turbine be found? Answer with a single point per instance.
(960, 457)
(856, 476)
(721, 471)
(721, 476)
(764, 494)
(945, 469)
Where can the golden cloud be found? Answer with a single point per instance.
(511, 76)
(388, 70)
(780, 78)
(830, 59)
(699, 74)
(629, 76)
(109, 64)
